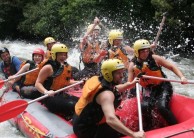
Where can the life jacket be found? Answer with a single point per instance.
(86, 107)
(9, 69)
(30, 78)
(119, 53)
(150, 68)
(89, 50)
(88, 92)
(61, 76)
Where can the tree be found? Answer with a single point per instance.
(66, 19)
(180, 18)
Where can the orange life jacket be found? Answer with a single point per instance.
(89, 51)
(91, 87)
(92, 111)
(119, 54)
(62, 79)
(30, 78)
(144, 82)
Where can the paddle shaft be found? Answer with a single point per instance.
(16, 76)
(62, 89)
(139, 107)
(14, 108)
(90, 31)
(103, 26)
(160, 29)
(19, 75)
(165, 79)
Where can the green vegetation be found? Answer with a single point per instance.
(64, 19)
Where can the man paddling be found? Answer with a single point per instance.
(156, 93)
(95, 111)
(91, 52)
(10, 65)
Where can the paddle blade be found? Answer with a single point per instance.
(12, 109)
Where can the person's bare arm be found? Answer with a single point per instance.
(84, 39)
(127, 85)
(129, 50)
(22, 70)
(106, 99)
(130, 72)
(44, 73)
(165, 63)
(100, 56)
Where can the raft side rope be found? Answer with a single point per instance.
(37, 131)
(185, 131)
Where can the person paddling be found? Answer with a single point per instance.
(27, 82)
(118, 50)
(91, 52)
(9, 65)
(56, 74)
(156, 93)
(95, 111)
(49, 42)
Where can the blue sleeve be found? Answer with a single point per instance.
(16, 61)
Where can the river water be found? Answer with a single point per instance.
(24, 50)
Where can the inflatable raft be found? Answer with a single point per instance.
(37, 121)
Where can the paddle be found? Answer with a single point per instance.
(16, 76)
(139, 107)
(165, 79)
(103, 26)
(13, 108)
(100, 23)
(91, 30)
(160, 29)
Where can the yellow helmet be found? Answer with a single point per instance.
(48, 40)
(58, 47)
(110, 65)
(97, 27)
(140, 44)
(114, 34)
